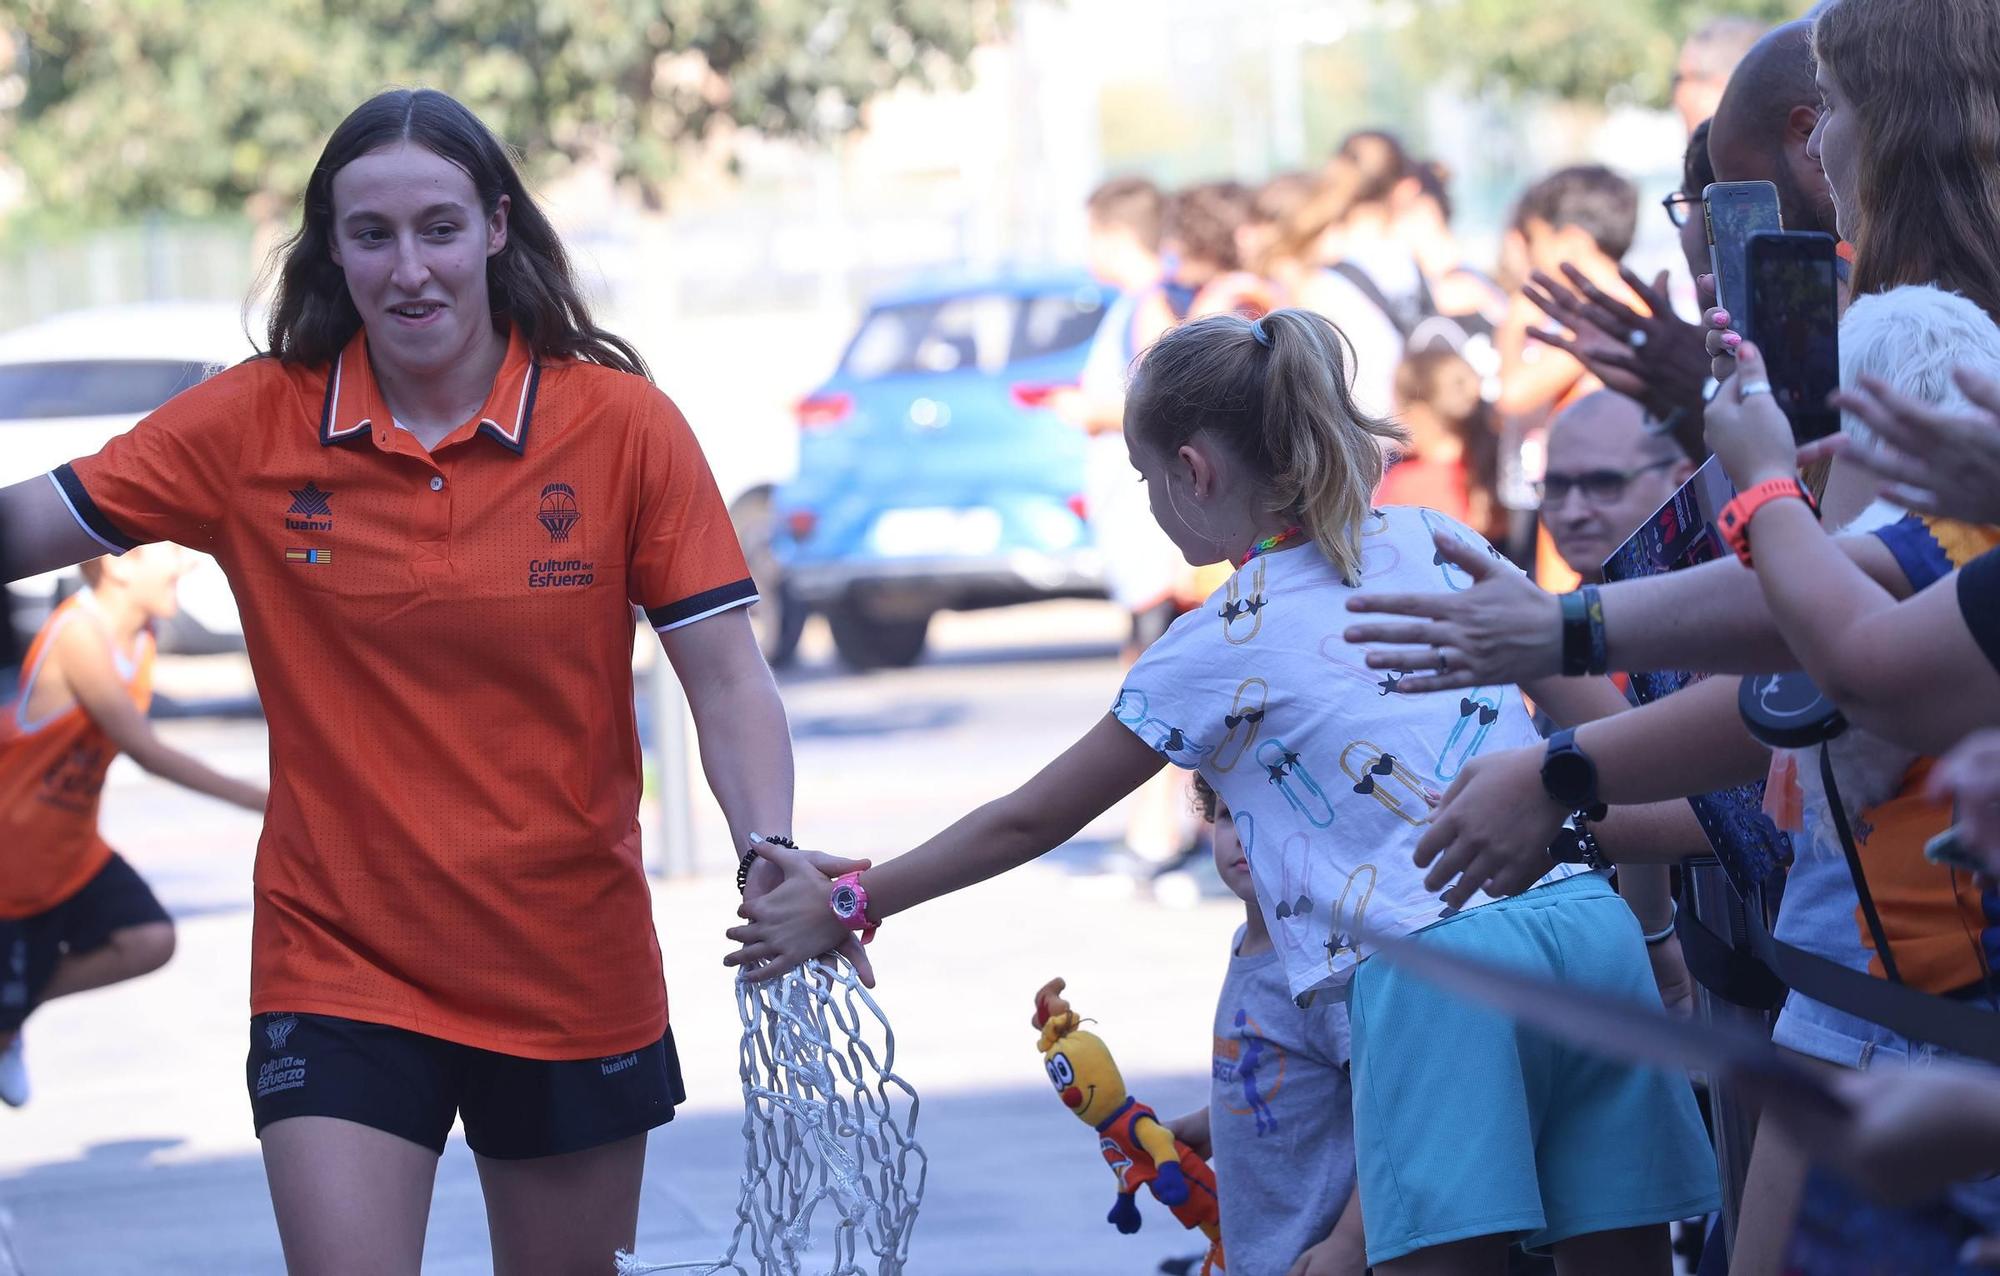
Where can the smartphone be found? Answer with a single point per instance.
(1948, 851)
(1794, 310)
(1734, 211)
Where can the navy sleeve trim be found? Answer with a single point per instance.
(85, 511)
(703, 605)
(1979, 601)
(1916, 551)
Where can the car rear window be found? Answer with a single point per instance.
(92, 387)
(980, 332)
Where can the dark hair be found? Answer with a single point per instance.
(1433, 181)
(1697, 170)
(1923, 79)
(1604, 204)
(1129, 203)
(1420, 378)
(1204, 220)
(529, 282)
(1285, 409)
(1362, 173)
(1206, 802)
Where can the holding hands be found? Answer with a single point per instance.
(788, 920)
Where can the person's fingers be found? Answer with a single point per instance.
(857, 956)
(1455, 889)
(1391, 631)
(836, 865)
(1824, 449)
(1474, 560)
(1914, 498)
(1436, 840)
(1605, 310)
(1749, 366)
(741, 934)
(1704, 290)
(1980, 388)
(774, 968)
(1551, 338)
(1408, 659)
(1553, 289)
(1429, 606)
(750, 954)
(1424, 683)
(1551, 302)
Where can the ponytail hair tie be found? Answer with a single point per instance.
(1262, 334)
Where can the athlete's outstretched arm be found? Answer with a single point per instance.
(40, 534)
(83, 662)
(792, 923)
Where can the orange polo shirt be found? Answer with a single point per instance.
(443, 645)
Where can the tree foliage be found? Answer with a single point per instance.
(117, 107)
(1579, 50)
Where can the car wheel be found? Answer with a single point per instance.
(866, 642)
(778, 618)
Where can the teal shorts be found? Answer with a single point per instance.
(1467, 1124)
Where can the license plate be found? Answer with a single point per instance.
(936, 533)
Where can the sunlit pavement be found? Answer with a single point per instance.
(136, 1153)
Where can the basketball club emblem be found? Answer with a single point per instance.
(277, 1031)
(558, 512)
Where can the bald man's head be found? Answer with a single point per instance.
(1761, 125)
(1605, 477)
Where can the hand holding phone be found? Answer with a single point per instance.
(1732, 212)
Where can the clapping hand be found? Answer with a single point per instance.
(1656, 358)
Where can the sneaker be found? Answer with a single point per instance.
(14, 1073)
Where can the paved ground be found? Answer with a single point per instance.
(136, 1154)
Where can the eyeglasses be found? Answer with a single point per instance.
(1679, 206)
(1599, 487)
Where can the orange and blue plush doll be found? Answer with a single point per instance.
(1141, 1151)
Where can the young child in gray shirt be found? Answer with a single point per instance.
(1279, 1126)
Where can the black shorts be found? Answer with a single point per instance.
(410, 1085)
(114, 899)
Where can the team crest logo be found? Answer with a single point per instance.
(311, 511)
(279, 1031)
(558, 512)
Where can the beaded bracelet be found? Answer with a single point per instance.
(750, 857)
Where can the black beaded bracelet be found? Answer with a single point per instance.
(750, 857)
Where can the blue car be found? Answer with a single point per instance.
(932, 473)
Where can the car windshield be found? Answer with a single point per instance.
(975, 332)
(92, 387)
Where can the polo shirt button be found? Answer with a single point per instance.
(437, 483)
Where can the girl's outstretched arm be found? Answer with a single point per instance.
(792, 923)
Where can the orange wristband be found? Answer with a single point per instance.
(1734, 521)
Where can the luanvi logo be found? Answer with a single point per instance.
(311, 511)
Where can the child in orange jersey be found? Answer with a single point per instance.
(73, 914)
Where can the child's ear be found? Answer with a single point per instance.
(1200, 467)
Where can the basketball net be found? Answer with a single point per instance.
(830, 1134)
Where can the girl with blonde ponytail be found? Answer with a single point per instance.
(1253, 452)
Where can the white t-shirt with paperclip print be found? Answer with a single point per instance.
(1329, 772)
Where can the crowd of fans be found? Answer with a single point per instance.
(1554, 404)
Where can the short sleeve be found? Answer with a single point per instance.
(686, 564)
(169, 477)
(1979, 601)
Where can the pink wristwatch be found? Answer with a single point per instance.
(849, 903)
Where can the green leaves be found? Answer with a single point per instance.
(139, 106)
(1582, 50)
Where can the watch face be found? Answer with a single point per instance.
(1569, 777)
(845, 904)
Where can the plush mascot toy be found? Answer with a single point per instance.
(1140, 1150)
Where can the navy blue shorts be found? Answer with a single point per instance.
(412, 1086)
(116, 898)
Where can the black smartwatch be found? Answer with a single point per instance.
(1570, 777)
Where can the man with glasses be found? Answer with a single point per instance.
(1606, 475)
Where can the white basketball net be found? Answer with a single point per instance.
(826, 1123)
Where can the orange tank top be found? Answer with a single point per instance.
(52, 769)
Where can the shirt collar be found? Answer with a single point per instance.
(354, 402)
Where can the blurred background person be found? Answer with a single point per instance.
(1452, 459)
(1205, 233)
(1461, 292)
(1707, 58)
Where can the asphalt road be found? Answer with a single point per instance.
(136, 1154)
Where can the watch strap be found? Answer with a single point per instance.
(1575, 634)
(1734, 520)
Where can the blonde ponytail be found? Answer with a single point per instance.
(1277, 393)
